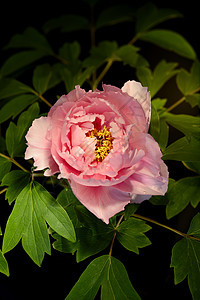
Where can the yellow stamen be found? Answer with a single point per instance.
(103, 144)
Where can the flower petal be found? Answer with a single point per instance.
(138, 92)
(103, 202)
(39, 144)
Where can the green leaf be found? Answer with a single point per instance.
(67, 23)
(115, 14)
(15, 141)
(131, 235)
(19, 61)
(189, 82)
(45, 77)
(70, 52)
(183, 192)
(16, 180)
(16, 106)
(128, 54)
(54, 213)
(100, 53)
(110, 274)
(63, 245)
(184, 149)
(5, 166)
(186, 259)
(169, 40)
(156, 79)
(149, 15)
(193, 166)
(33, 206)
(3, 265)
(193, 100)
(11, 87)
(93, 236)
(189, 125)
(31, 38)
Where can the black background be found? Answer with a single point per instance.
(150, 271)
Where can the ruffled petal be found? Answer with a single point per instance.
(138, 92)
(103, 202)
(39, 144)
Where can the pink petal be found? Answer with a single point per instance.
(39, 144)
(138, 92)
(103, 202)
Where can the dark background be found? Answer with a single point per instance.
(150, 271)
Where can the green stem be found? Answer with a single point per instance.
(14, 162)
(102, 74)
(114, 235)
(185, 235)
(181, 100)
(42, 98)
(2, 191)
(134, 39)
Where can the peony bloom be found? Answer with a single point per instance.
(99, 142)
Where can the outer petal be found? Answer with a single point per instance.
(39, 144)
(103, 202)
(138, 92)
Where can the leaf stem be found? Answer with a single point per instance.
(114, 235)
(2, 191)
(181, 100)
(185, 235)
(14, 162)
(42, 98)
(103, 73)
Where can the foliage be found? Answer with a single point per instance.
(38, 219)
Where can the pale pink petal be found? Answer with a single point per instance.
(138, 92)
(77, 135)
(39, 143)
(103, 202)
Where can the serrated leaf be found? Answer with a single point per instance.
(100, 53)
(169, 40)
(189, 125)
(3, 265)
(115, 14)
(5, 166)
(156, 79)
(186, 259)
(67, 23)
(70, 51)
(131, 235)
(110, 274)
(54, 213)
(15, 141)
(184, 149)
(11, 87)
(45, 77)
(189, 82)
(16, 180)
(193, 100)
(128, 55)
(149, 15)
(33, 206)
(16, 106)
(63, 245)
(193, 166)
(183, 192)
(30, 38)
(19, 61)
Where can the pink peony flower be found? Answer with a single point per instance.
(99, 142)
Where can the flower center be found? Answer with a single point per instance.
(103, 144)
